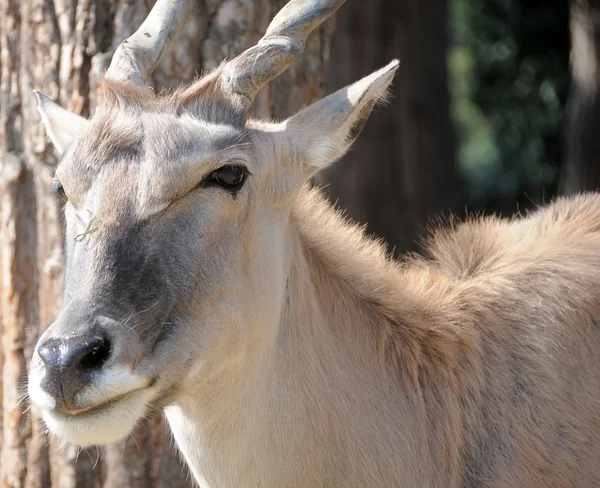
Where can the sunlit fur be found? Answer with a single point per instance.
(109, 425)
(308, 357)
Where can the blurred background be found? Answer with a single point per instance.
(494, 110)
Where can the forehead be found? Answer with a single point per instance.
(125, 135)
(146, 135)
(146, 155)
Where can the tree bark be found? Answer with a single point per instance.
(63, 48)
(582, 171)
(401, 170)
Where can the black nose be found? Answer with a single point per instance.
(74, 355)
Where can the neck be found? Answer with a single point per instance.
(344, 366)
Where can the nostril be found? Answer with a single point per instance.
(96, 354)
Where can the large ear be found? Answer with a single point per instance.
(325, 130)
(61, 125)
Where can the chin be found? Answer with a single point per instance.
(100, 425)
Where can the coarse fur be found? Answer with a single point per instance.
(493, 334)
(285, 346)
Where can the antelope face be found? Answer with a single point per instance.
(176, 216)
(157, 216)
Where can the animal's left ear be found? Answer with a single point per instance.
(324, 131)
(61, 125)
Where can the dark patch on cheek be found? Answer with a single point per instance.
(152, 284)
(134, 275)
(125, 257)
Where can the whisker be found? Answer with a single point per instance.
(136, 443)
(89, 455)
(24, 398)
(141, 312)
(97, 458)
(60, 446)
(149, 326)
(128, 319)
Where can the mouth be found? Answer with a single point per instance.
(101, 423)
(93, 409)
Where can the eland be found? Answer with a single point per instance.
(203, 277)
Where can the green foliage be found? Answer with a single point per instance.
(509, 78)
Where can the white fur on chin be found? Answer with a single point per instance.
(110, 424)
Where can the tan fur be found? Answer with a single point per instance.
(285, 346)
(495, 337)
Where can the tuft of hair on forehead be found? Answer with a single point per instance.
(122, 95)
(206, 98)
(111, 134)
(118, 127)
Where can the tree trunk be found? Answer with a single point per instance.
(401, 170)
(63, 48)
(582, 170)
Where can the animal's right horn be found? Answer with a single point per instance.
(280, 48)
(135, 58)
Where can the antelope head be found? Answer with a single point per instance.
(177, 210)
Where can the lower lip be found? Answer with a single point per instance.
(83, 412)
(88, 411)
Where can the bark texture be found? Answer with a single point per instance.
(63, 48)
(401, 171)
(582, 171)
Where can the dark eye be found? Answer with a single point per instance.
(58, 188)
(231, 176)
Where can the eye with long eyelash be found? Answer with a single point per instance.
(231, 177)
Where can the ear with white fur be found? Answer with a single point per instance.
(61, 125)
(324, 131)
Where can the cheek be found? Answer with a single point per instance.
(77, 255)
(207, 227)
(79, 232)
(205, 258)
(70, 219)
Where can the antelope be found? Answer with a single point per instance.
(205, 278)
